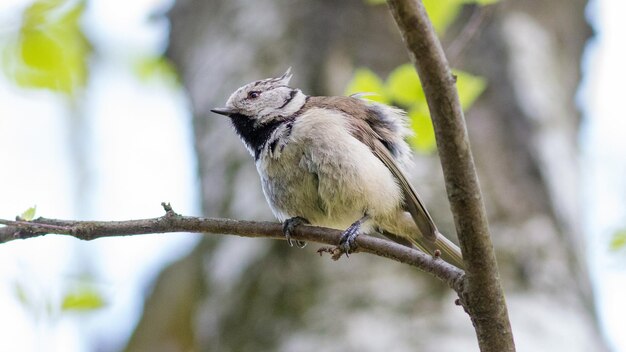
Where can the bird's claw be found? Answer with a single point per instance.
(347, 244)
(289, 225)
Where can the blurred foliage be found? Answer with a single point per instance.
(618, 242)
(82, 298)
(366, 81)
(22, 295)
(442, 12)
(150, 68)
(29, 213)
(403, 89)
(50, 50)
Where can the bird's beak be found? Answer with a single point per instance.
(223, 111)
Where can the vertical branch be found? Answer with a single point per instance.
(483, 297)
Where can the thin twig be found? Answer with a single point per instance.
(173, 222)
(469, 31)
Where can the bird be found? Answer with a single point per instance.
(334, 161)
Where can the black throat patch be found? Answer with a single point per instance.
(256, 135)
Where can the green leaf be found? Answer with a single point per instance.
(83, 298)
(442, 3)
(50, 51)
(155, 67)
(481, 2)
(366, 81)
(29, 213)
(442, 13)
(424, 139)
(618, 241)
(403, 86)
(469, 87)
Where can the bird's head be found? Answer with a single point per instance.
(264, 100)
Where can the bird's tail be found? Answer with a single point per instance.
(450, 252)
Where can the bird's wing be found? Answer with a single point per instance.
(382, 129)
(433, 239)
(412, 201)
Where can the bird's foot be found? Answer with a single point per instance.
(347, 244)
(289, 225)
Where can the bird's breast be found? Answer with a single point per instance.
(326, 175)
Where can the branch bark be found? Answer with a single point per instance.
(483, 296)
(173, 222)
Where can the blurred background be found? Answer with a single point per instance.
(104, 114)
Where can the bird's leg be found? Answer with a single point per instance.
(289, 225)
(348, 237)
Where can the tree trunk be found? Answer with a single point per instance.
(247, 294)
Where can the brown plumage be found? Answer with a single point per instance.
(368, 126)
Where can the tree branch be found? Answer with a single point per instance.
(173, 222)
(483, 296)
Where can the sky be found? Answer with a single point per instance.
(135, 127)
(604, 163)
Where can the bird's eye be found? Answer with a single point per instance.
(253, 94)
